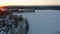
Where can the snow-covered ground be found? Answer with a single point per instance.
(44, 22)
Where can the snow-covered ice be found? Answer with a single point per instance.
(44, 22)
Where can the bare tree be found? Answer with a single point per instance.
(27, 25)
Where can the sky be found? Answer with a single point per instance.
(29, 2)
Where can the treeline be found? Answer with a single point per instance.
(34, 7)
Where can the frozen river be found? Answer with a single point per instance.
(44, 22)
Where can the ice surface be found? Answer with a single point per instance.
(43, 21)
